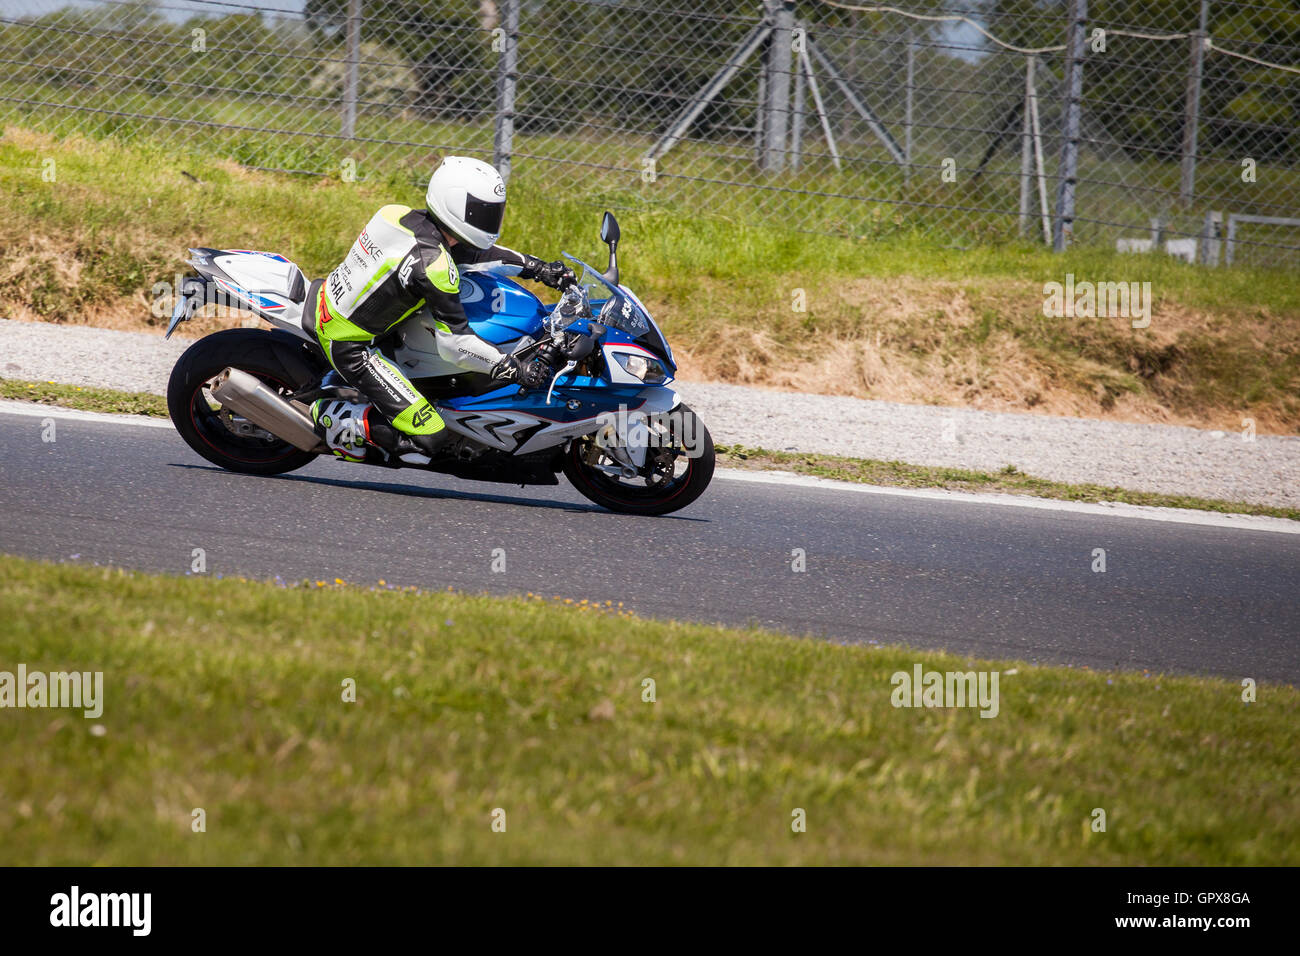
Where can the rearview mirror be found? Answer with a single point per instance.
(609, 236)
(609, 229)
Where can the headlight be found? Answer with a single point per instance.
(649, 370)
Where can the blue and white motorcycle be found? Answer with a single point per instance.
(609, 420)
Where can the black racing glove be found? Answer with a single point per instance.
(506, 370)
(535, 375)
(529, 374)
(554, 274)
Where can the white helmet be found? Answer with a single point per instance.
(468, 197)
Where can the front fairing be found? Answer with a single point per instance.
(502, 312)
(652, 339)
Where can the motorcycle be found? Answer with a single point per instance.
(609, 420)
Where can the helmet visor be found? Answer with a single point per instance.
(484, 215)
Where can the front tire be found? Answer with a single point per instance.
(671, 480)
(213, 432)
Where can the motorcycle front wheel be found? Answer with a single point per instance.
(678, 468)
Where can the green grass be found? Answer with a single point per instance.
(84, 398)
(312, 220)
(865, 470)
(226, 695)
(696, 174)
(1224, 344)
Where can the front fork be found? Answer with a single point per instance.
(627, 439)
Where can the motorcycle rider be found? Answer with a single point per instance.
(404, 261)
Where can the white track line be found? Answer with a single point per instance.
(1109, 509)
(104, 418)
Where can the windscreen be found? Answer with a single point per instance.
(598, 287)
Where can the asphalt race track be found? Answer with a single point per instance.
(986, 580)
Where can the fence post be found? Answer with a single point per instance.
(800, 103)
(1210, 234)
(779, 57)
(353, 65)
(1157, 233)
(1192, 109)
(908, 101)
(1063, 228)
(1027, 150)
(1040, 168)
(503, 136)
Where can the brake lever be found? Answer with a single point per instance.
(568, 367)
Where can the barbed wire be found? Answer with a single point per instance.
(941, 18)
(1110, 32)
(1211, 45)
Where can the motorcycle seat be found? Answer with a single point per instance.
(309, 307)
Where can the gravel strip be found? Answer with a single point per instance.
(1160, 458)
(81, 355)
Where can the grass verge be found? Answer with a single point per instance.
(84, 398)
(1009, 480)
(865, 470)
(226, 695)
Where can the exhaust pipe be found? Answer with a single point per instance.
(244, 395)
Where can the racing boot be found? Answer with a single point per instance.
(348, 427)
(343, 426)
(412, 449)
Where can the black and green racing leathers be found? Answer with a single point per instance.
(398, 265)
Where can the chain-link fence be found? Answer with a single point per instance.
(1169, 124)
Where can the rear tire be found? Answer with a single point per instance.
(672, 494)
(277, 361)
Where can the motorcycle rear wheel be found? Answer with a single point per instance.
(218, 436)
